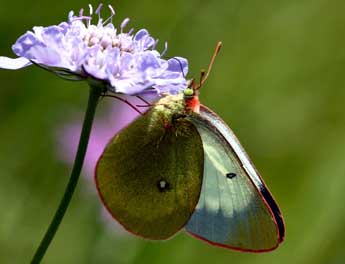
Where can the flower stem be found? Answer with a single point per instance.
(94, 95)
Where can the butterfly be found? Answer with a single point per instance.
(180, 166)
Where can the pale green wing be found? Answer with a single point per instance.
(235, 208)
(149, 176)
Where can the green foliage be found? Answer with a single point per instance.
(278, 82)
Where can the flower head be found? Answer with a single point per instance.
(126, 62)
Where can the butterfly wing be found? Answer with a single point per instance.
(235, 208)
(149, 176)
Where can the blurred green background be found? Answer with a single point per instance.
(279, 82)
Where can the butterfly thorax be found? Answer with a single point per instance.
(191, 99)
(192, 103)
(168, 113)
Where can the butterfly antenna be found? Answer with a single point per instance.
(203, 75)
(143, 100)
(191, 84)
(180, 63)
(124, 101)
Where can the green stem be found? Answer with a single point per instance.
(72, 183)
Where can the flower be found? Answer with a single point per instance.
(121, 61)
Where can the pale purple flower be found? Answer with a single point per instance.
(100, 53)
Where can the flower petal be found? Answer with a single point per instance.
(140, 34)
(148, 60)
(25, 43)
(178, 64)
(13, 64)
(130, 87)
(46, 56)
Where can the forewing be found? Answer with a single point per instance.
(149, 176)
(235, 209)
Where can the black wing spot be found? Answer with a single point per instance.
(163, 185)
(231, 175)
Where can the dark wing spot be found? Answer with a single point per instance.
(231, 175)
(163, 185)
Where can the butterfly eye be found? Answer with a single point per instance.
(188, 92)
(231, 175)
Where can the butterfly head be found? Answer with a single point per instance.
(190, 94)
(191, 99)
